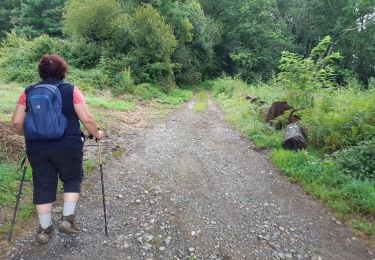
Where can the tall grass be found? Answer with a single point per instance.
(9, 94)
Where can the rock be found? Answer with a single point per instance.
(288, 256)
(162, 249)
(148, 238)
(147, 246)
(138, 201)
(191, 249)
(120, 196)
(193, 233)
(281, 255)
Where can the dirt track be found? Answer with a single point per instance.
(192, 186)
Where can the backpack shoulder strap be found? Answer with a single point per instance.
(45, 85)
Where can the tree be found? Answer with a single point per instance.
(6, 18)
(90, 19)
(349, 22)
(154, 44)
(318, 70)
(196, 35)
(357, 37)
(253, 36)
(37, 17)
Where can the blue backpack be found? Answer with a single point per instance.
(44, 119)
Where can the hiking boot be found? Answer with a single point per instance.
(44, 234)
(67, 225)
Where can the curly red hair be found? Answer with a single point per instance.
(52, 66)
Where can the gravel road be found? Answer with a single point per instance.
(190, 187)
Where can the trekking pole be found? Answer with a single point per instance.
(102, 181)
(23, 167)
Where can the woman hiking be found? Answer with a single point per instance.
(54, 143)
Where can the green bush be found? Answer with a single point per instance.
(358, 161)
(175, 96)
(339, 118)
(84, 54)
(88, 79)
(125, 84)
(19, 56)
(147, 91)
(90, 20)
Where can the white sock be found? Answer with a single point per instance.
(69, 208)
(45, 220)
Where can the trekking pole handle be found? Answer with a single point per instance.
(100, 159)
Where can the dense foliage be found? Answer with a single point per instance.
(185, 42)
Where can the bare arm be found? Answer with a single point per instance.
(19, 118)
(87, 120)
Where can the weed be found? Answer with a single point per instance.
(109, 103)
(88, 166)
(201, 102)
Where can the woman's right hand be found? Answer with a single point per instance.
(100, 135)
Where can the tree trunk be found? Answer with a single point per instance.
(277, 109)
(293, 138)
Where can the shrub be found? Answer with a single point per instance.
(339, 118)
(147, 91)
(308, 74)
(90, 20)
(125, 84)
(19, 56)
(358, 161)
(84, 54)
